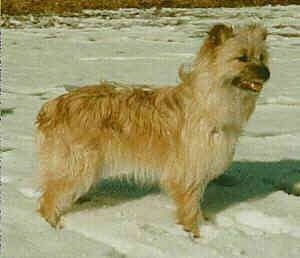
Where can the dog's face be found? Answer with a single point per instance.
(240, 57)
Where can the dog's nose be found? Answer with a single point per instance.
(263, 72)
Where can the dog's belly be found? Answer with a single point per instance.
(138, 173)
(121, 163)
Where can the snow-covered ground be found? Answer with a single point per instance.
(254, 211)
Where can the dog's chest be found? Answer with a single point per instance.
(220, 150)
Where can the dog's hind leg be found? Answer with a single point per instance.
(76, 171)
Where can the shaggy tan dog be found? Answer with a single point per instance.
(185, 136)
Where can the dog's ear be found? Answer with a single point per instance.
(219, 34)
(261, 32)
(185, 71)
(258, 31)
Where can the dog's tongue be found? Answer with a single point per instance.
(254, 86)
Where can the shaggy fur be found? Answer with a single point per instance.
(184, 136)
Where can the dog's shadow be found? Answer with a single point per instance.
(243, 181)
(113, 191)
(251, 180)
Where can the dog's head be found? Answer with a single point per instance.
(238, 57)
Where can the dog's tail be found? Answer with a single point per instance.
(47, 115)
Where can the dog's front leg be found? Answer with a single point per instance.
(189, 210)
(187, 198)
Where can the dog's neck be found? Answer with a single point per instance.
(227, 105)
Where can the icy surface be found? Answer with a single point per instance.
(252, 212)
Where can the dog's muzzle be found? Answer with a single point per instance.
(259, 73)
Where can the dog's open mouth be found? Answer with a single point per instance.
(253, 86)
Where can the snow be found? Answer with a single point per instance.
(253, 211)
(266, 224)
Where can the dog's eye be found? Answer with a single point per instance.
(261, 57)
(243, 58)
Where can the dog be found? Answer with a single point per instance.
(182, 135)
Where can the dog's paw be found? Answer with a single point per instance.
(53, 218)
